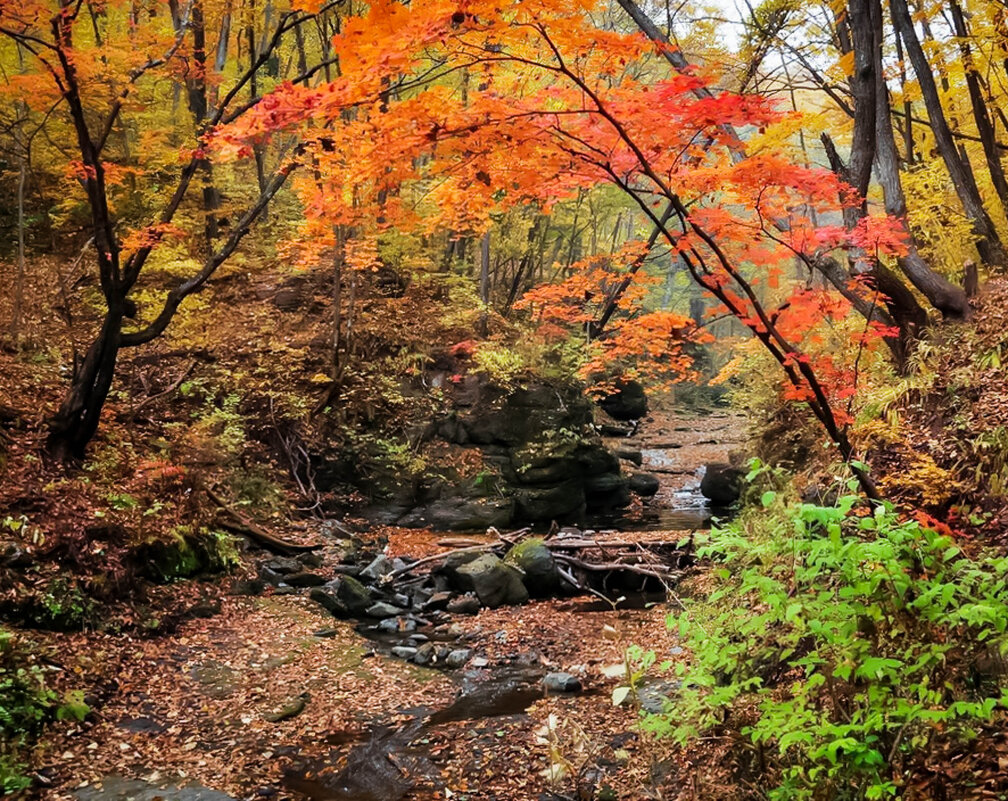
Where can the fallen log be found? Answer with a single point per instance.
(660, 572)
(443, 555)
(235, 522)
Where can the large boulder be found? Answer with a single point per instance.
(538, 567)
(644, 484)
(606, 491)
(461, 514)
(551, 503)
(627, 402)
(722, 483)
(494, 582)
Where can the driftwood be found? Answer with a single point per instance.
(639, 557)
(440, 556)
(236, 522)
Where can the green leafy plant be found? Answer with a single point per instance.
(27, 704)
(840, 644)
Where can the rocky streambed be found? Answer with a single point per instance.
(405, 665)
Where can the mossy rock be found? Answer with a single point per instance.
(185, 552)
(535, 560)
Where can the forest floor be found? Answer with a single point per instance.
(197, 708)
(194, 708)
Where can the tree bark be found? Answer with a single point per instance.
(988, 244)
(945, 296)
(980, 115)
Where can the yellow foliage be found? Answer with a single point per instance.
(923, 481)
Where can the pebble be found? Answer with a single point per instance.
(561, 683)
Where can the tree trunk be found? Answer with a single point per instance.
(19, 279)
(484, 282)
(988, 243)
(76, 422)
(945, 296)
(980, 115)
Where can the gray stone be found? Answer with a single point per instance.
(327, 598)
(722, 484)
(561, 683)
(284, 565)
(644, 484)
(438, 600)
(401, 600)
(403, 652)
(461, 514)
(326, 633)
(631, 455)
(479, 662)
(117, 788)
(311, 559)
(305, 579)
(352, 593)
(494, 582)
(379, 567)
(270, 576)
(465, 605)
(382, 609)
(458, 657)
(425, 654)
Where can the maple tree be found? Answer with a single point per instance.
(562, 106)
(94, 66)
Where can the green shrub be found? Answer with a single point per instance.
(27, 704)
(840, 645)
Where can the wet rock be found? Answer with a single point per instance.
(305, 579)
(399, 599)
(549, 503)
(342, 597)
(284, 565)
(461, 514)
(397, 625)
(352, 593)
(425, 654)
(270, 576)
(326, 598)
(606, 491)
(311, 559)
(535, 561)
(458, 657)
(561, 683)
(403, 652)
(722, 483)
(437, 601)
(465, 605)
(630, 455)
(382, 609)
(494, 582)
(381, 566)
(644, 484)
(628, 402)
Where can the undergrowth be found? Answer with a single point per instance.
(840, 645)
(27, 704)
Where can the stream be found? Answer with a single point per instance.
(371, 727)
